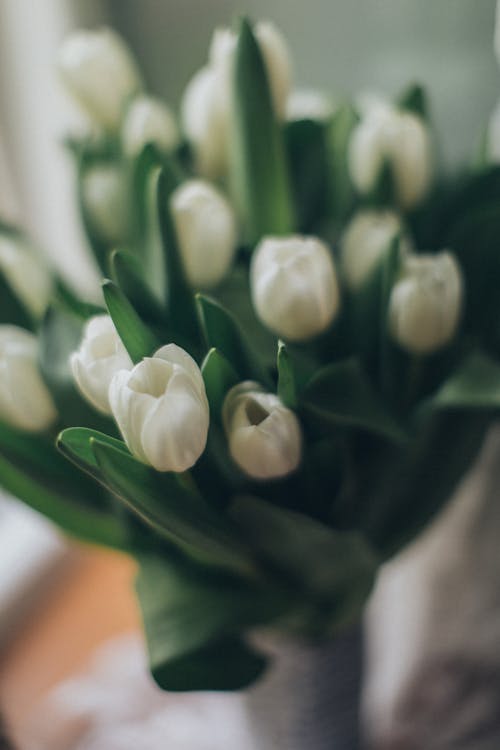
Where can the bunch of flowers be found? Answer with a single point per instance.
(295, 360)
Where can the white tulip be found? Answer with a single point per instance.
(425, 304)
(365, 241)
(204, 121)
(206, 105)
(25, 273)
(162, 410)
(99, 71)
(148, 120)
(25, 402)
(104, 196)
(206, 229)
(309, 104)
(264, 436)
(294, 286)
(100, 356)
(398, 138)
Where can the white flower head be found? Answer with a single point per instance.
(265, 438)
(104, 196)
(162, 410)
(294, 286)
(26, 274)
(399, 138)
(206, 229)
(309, 104)
(365, 241)
(99, 71)
(148, 120)
(425, 304)
(25, 401)
(100, 356)
(206, 105)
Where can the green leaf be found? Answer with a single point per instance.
(414, 99)
(407, 486)
(222, 333)
(219, 376)
(341, 190)
(307, 150)
(75, 443)
(474, 385)
(287, 384)
(11, 308)
(191, 620)
(339, 566)
(127, 273)
(83, 522)
(259, 170)
(181, 305)
(340, 394)
(138, 340)
(175, 511)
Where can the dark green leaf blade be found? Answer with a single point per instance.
(127, 273)
(222, 333)
(219, 376)
(173, 510)
(474, 385)
(259, 170)
(287, 382)
(137, 338)
(192, 619)
(342, 395)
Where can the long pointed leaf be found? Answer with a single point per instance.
(259, 170)
(137, 338)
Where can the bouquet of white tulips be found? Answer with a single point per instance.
(296, 359)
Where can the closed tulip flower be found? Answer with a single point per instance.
(365, 241)
(99, 71)
(25, 402)
(26, 274)
(148, 120)
(425, 304)
(294, 286)
(104, 198)
(398, 138)
(206, 105)
(162, 410)
(206, 230)
(264, 436)
(100, 356)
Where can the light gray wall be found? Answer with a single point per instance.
(341, 45)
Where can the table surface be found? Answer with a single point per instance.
(91, 601)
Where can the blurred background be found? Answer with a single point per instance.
(342, 46)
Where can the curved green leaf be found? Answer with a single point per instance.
(259, 171)
(137, 338)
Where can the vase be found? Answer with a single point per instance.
(309, 698)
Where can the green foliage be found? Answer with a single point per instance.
(260, 176)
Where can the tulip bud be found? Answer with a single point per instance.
(25, 273)
(148, 120)
(104, 197)
(206, 104)
(162, 410)
(264, 436)
(398, 138)
(204, 121)
(25, 402)
(294, 286)
(425, 304)
(100, 356)
(309, 104)
(99, 71)
(365, 241)
(206, 231)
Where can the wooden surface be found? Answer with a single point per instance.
(91, 601)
